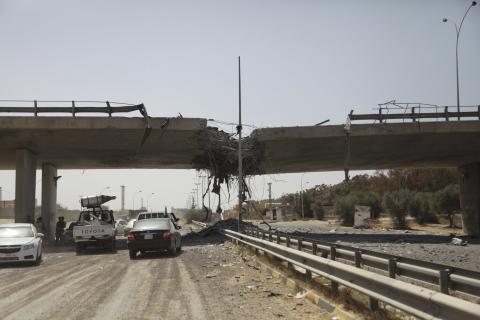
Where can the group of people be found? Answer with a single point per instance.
(59, 228)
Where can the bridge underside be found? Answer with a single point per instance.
(51, 143)
(95, 143)
(379, 146)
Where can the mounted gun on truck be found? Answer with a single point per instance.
(95, 225)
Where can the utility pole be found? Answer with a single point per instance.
(123, 197)
(269, 196)
(196, 190)
(239, 130)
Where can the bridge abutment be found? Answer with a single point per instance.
(469, 181)
(49, 199)
(25, 175)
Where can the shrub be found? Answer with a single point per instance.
(448, 200)
(397, 204)
(318, 210)
(421, 206)
(344, 208)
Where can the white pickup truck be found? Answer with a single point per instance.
(95, 227)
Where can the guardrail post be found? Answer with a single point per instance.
(288, 242)
(314, 248)
(446, 113)
(270, 238)
(333, 253)
(73, 108)
(299, 244)
(373, 304)
(35, 107)
(263, 235)
(392, 267)
(358, 259)
(444, 280)
(308, 275)
(278, 237)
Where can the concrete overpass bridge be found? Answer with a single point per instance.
(50, 143)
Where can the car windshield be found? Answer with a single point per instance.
(161, 224)
(15, 232)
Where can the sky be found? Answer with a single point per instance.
(302, 62)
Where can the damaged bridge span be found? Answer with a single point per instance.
(29, 143)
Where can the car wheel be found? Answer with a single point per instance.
(179, 246)
(79, 248)
(132, 254)
(173, 250)
(38, 261)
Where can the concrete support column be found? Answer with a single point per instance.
(25, 175)
(49, 199)
(470, 198)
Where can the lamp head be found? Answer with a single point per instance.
(474, 3)
(444, 19)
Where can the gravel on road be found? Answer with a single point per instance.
(209, 279)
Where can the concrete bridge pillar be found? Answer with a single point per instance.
(470, 198)
(25, 175)
(49, 199)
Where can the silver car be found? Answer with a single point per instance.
(20, 242)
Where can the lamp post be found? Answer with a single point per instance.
(133, 201)
(458, 29)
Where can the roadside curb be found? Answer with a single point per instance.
(312, 296)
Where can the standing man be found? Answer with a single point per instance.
(59, 230)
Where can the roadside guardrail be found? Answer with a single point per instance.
(412, 299)
(445, 278)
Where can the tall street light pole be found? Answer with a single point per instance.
(458, 30)
(240, 164)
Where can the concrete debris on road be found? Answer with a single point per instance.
(458, 242)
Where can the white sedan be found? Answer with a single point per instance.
(20, 242)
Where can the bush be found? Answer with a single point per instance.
(448, 200)
(421, 206)
(318, 210)
(344, 208)
(397, 204)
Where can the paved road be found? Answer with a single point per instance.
(110, 286)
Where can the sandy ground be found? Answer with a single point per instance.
(209, 279)
(429, 243)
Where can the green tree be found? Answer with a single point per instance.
(448, 200)
(397, 204)
(344, 208)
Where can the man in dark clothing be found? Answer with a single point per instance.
(59, 230)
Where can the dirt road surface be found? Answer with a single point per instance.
(205, 281)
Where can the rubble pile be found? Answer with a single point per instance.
(230, 224)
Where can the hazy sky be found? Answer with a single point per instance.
(302, 62)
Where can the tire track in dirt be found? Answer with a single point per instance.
(132, 296)
(30, 301)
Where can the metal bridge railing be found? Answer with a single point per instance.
(75, 107)
(416, 111)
